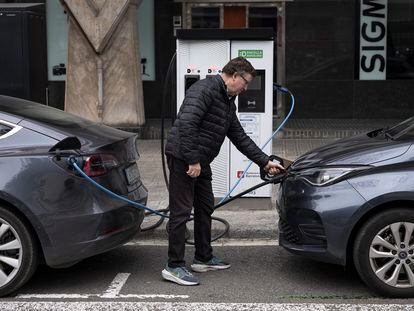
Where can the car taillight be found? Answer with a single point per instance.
(99, 164)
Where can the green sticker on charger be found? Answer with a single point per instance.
(251, 53)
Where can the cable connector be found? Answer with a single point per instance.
(72, 160)
(264, 175)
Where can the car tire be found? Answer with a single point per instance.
(381, 255)
(18, 252)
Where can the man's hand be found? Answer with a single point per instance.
(194, 170)
(273, 168)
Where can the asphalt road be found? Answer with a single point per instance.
(261, 278)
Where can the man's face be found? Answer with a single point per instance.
(238, 83)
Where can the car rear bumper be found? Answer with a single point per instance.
(105, 231)
(100, 224)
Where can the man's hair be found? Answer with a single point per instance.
(239, 65)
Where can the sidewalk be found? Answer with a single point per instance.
(249, 218)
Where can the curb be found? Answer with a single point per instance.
(250, 224)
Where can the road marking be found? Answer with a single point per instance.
(169, 306)
(113, 292)
(87, 296)
(219, 243)
(115, 287)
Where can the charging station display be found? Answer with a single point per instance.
(202, 54)
(252, 100)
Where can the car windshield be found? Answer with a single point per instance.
(402, 131)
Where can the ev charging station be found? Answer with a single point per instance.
(202, 53)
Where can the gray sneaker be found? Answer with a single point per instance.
(179, 275)
(213, 264)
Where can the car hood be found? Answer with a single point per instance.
(357, 150)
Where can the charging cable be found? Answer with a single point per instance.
(276, 87)
(72, 160)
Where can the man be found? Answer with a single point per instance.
(206, 117)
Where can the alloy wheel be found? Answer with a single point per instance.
(391, 255)
(11, 252)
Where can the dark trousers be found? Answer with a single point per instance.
(185, 193)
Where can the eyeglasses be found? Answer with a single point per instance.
(244, 79)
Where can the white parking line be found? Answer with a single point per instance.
(113, 292)
(169, 306)
(115, 287)
(87, 296)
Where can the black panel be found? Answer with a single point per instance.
(37, 57)
(263, 17)
(12, 77)
(253, 100)
(56, 94)
(323, 99)
(391, 99)
(320, 20)
(320, 40)
(23, 51)
(205, 17)
(189, 80)
(315, 60)
(164, 50)
(322, 62)
(226, 34)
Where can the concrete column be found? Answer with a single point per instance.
(103, 81)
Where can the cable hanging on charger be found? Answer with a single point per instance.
(72, 160)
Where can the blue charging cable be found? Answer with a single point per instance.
(72, 160)
(276, 87)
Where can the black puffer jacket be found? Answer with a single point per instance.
(206, 117)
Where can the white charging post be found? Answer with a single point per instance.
(202, 53)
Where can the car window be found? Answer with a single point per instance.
(4, 129)
(403, 130)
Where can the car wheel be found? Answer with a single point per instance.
(383, 253)
(18, 252)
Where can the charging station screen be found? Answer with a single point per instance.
(256, 83)
(253, 99)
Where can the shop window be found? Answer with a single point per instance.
(400, 40)
(205, 17)
(263, 17)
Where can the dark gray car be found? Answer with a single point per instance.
(352, 202)
(48, 213)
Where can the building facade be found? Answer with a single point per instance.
(341, 58)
